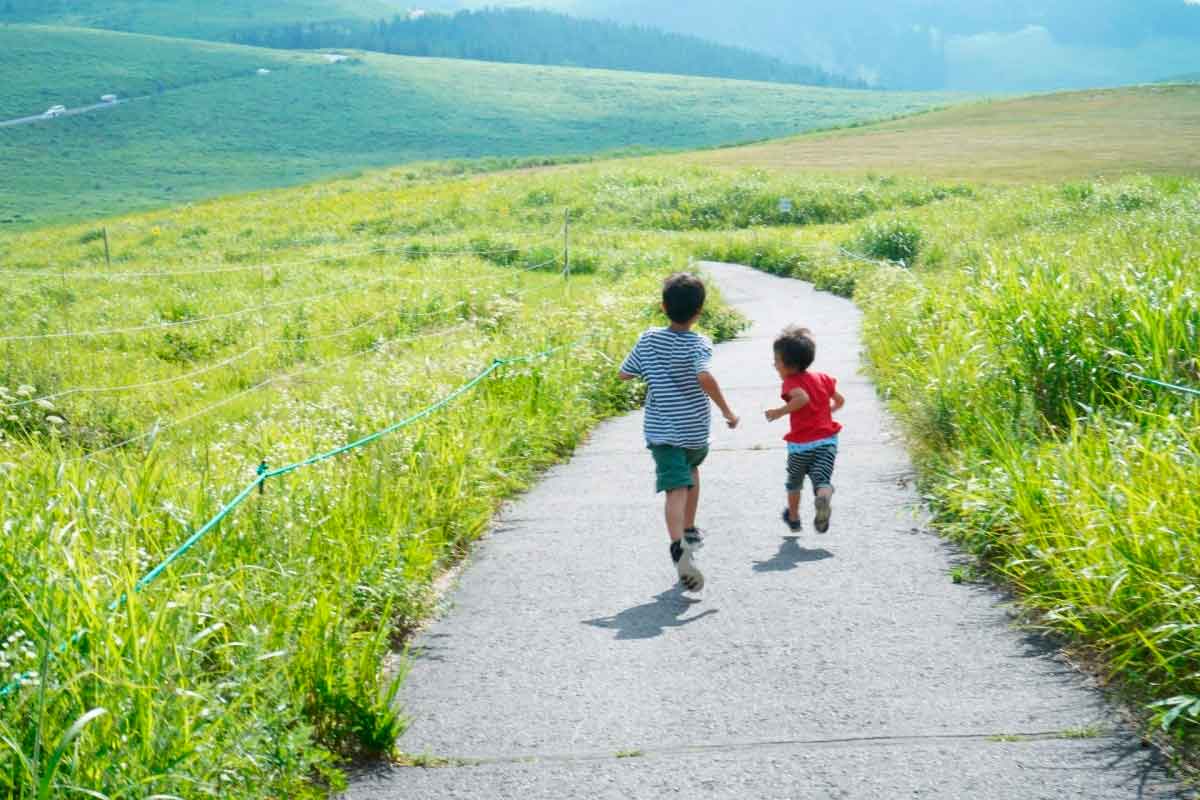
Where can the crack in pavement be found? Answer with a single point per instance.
(426, 761)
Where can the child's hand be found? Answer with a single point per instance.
(732, 420)
(773, 414)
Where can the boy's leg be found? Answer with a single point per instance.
(674, 478)
(797, 468)
(822, 475)
(676, 512)
(693, 501)
(794, 505)
(692, 538)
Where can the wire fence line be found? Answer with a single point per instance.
(159, 426)
(47, 398)
(231, 360)
(264, 473)
(85, 334)
(412, 252)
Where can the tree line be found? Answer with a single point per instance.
(527, 36)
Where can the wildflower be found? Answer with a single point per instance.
(55, 420)
(25, 390)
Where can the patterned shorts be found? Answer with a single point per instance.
(817, 464)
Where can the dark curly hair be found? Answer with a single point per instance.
(683, 296)
(796, 348)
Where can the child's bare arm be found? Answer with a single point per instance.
(838, 401)
(709, 385)
(625, 376)
(798, 399)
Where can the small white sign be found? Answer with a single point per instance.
(785, 205)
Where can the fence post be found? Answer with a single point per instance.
(567, 244)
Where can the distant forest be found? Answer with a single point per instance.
(526, 36)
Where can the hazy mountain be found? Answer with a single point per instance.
(534, 36)
(959, 44)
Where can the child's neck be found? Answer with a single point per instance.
(680, 327)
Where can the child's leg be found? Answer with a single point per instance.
(797, 468)
(693, 501)
(822, 475)
(676, 511)
(794, 505)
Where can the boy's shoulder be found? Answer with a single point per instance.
(665, 334)
(809, 378)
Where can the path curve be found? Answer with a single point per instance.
(70, 112)
(844, 665)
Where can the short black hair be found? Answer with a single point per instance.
(683, 296)
(796, 348)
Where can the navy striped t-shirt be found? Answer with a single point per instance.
(677, 410)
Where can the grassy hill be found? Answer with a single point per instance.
(309, 119)
(1149, 129)
(48, 65)
(198, 18)
(139, 398)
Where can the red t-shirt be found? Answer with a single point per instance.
(815, 420)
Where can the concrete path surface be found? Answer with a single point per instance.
(842, 665)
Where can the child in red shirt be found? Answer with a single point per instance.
(810, 400)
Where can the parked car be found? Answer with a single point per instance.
(55, 111)
(108, 98)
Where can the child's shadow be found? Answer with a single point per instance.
(790, 556)
(651, 619)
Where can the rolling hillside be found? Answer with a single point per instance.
(309, 118)
(197, 18)
(1147, 129)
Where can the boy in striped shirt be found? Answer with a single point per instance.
(674, 362)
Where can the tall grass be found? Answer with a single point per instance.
(264, 657)
(1078, 484)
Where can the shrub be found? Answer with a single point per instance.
(894, 240)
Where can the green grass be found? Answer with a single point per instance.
(309, 119)
(1077, 485)
(196, 18)
(45, 66)
(279, 625)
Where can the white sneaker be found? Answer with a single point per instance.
(689, 574)
(693, 539)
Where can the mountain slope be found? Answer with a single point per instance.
(309, 118)
(979, 45)
(1069, 136)
(193, 18)
(529, 36)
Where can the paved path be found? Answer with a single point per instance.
(812, 666)
(70, 112)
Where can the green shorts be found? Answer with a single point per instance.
(673, 465)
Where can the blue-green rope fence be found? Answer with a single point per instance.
(1151, 381)
(264, 473)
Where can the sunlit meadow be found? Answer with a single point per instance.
(271, 327)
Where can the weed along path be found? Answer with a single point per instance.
(812, 666)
